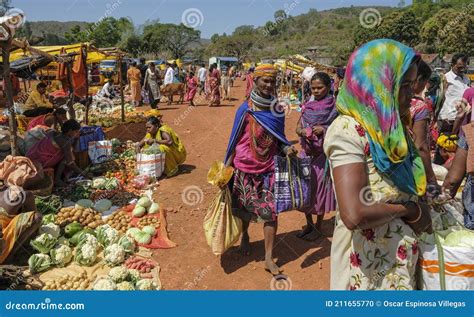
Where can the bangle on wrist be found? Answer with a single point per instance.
(417, 217)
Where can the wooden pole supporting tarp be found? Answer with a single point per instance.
(122, 101)
(9, 97)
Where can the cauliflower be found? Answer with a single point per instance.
(90, 239)
(52, 229)
(127, 243)
(39, 263)
(118, 274)
(104, 284)
(107, 235)
(43, 243)
(133, 276)
(145, 285)
(125, 286)
(61, 255)
(114, 254)
(86, 254)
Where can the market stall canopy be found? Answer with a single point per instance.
(93, 56)
(27, 66)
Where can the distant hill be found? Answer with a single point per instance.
(39, 28)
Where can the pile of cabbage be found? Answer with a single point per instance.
(83, 247)
(123, 279)
(145, 206)
(460, 238)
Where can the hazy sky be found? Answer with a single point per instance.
(209, 16)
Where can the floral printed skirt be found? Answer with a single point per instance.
(253, 196)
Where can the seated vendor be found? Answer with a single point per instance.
(19, 220)
(167, 140)
(108, 90)
(56, 151)
(39, 127)
(53, 120)
(37, 103)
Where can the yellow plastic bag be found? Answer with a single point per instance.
(219, 174)
(221, 228)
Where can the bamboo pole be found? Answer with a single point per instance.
(84, 61)
(122, 101)
(9, 97)
(70, 102)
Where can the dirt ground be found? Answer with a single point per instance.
(205, 132)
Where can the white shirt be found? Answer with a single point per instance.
(106, 91)
(456, 87)
(202, 74)
(169, 76)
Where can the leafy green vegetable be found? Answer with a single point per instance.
(144, 202)
(139, 211)
(51, 218)
(461, 238)
(127, 243)
(154, 208)
(61, 255)
(106, 235)
(79, 236)
(86, 253)
(150, 230)
(52, 229)
(143, 237)
(43, 243)
(48, 204)
(39, 263)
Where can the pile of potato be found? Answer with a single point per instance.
(87, 217)
(67, 282)
(148, 221)
(119, 220)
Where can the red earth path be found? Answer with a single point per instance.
(191, 265)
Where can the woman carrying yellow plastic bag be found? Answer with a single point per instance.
(221, 228)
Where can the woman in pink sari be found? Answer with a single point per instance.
(214, 79)
(191, 88)
(56, 151)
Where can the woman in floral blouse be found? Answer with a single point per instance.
(377, 172)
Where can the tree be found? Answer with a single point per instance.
(106, 32)
(280, 15)
(170, 37)
(133, 45)
(401, 26)
(214, 38)
(77, 35)
(25, 31)
(457, 37)
(244, 30)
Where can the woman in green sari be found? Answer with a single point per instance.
(167, 140)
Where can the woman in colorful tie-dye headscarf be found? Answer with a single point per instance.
(377, 172)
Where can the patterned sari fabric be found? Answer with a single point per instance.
(370, 95)
(322, 113)
(214, 94)
(379, 258)
(12, 228)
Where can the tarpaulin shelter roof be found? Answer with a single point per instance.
(93, 56)
(27, 66)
